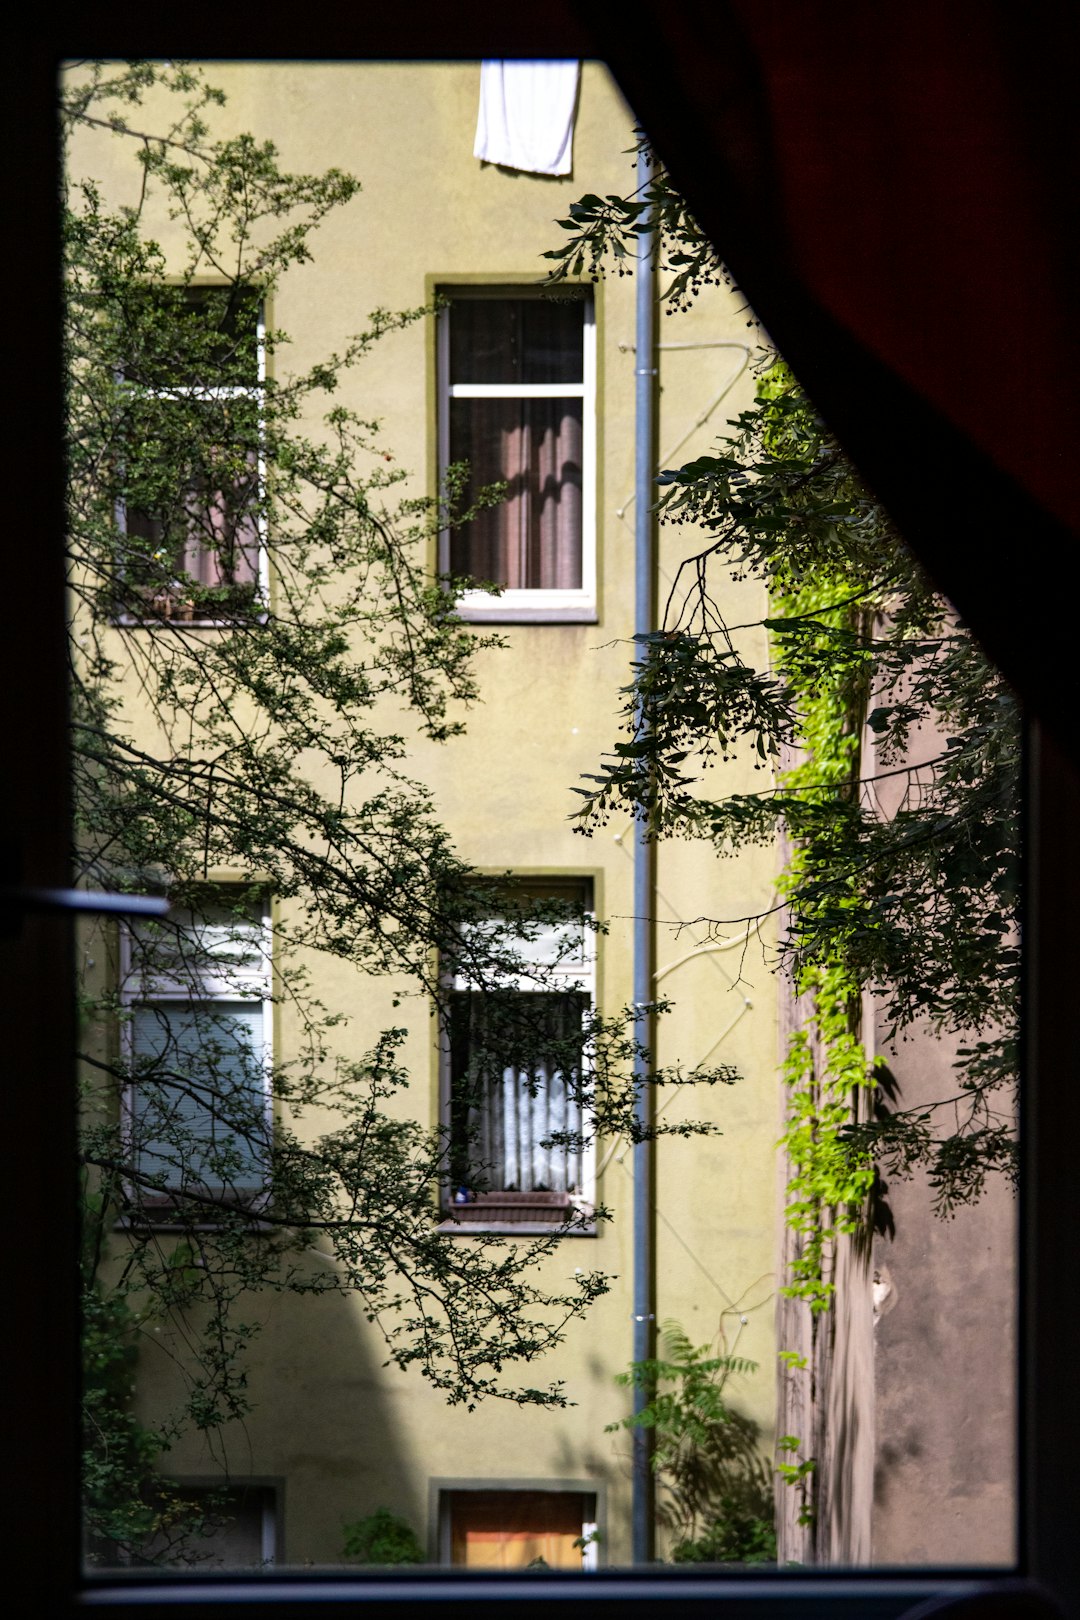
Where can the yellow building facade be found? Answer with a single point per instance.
(333, 1433)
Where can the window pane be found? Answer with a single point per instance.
(532, 540)
(515, 1058)
(221, 940)
(516, 340)
(197, 1527)
(191, 493)
(517, 1529)
(198, 1110)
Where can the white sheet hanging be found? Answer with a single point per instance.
(527, 115)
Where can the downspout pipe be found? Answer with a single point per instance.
(644, 1311)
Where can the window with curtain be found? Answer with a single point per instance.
(519, 1529)
(513, 1059)
(197, 410)
(517, 408)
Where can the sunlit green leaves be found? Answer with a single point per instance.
(901, 813)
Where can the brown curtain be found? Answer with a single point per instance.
(532, 540)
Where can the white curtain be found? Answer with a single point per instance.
(512, 1120)
(526, 117)
(504, 1112)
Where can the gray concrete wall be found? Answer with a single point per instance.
(945, 1367)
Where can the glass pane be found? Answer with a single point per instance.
(174, 336)
(515, 1074)
(221, 945)
(536, 926)
(516, 340)
(198, 1113)
(531, 539)
(191, 495)
(517, 1529)
(202, 1528)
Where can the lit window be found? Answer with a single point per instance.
(517, 404)
(515, 1529)
(195, 990)
(514, 1054)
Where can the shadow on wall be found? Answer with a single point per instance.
(324, 1427)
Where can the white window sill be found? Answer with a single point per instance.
(449, 1227)
(528, 607)
(128, 621)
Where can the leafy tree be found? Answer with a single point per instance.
(382, 1538)
(892, 748)
(716, 1488)
(254, 645)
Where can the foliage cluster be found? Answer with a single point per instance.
(610, 228)
(717, 1501)
(384, 1538)
(129, 1507)
(892, 751)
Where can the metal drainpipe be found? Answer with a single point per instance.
(644, 886)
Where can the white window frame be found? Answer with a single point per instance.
(254, 391)
(573, 972)
(523, 606)
(245, 983)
